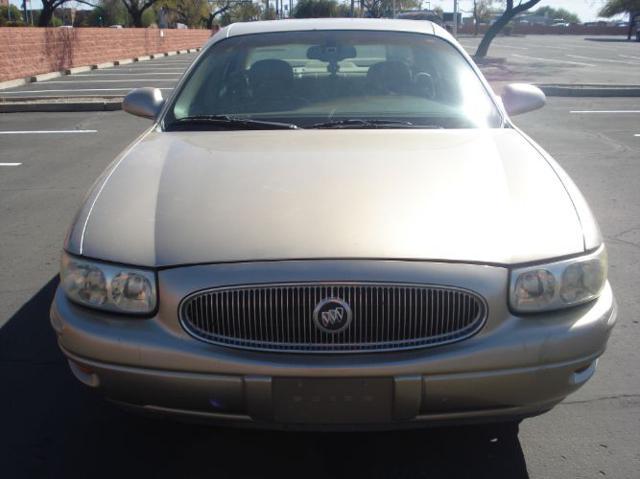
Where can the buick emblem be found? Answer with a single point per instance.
(332, 315)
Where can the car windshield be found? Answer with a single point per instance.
(332, 79)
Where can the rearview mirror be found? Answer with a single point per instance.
(521, 97)
(331, 53)
(145, 102)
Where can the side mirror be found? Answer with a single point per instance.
(145, 102)
(521, 97)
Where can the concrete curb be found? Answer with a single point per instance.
(112, 103)
(74, 70)
(13, 83)
(45, 77)
(590, 90)
(85, 68)
(101, 66)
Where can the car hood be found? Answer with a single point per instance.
(175, 198)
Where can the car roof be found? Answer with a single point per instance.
(309, 24)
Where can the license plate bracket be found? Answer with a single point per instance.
(332, 400)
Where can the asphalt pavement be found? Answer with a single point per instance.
(561, 59)
(51, 426)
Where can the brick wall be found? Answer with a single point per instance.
(29, 51)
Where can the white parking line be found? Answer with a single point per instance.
(168, 64)
(147, 67)
(629, 56)
(26, 92)
(601, 60)
(123, 80)
(95, 75)
(10, 164)
(604, 111)
(637, 134)
(548, 46)
(44, 132)
(498, 45)
(552, 60)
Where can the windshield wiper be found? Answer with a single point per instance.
(361, 123)
(227, 122)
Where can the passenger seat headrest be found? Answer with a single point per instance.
(391, 76)
(271, 73)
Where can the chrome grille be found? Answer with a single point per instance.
(279, 317)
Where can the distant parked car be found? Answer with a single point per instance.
(429, 15)
(116, 26)
(334, 223)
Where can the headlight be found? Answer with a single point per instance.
(560, 284)
(108, 287)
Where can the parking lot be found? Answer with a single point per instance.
(536, 59)
(161, 73)
(53, 427)
(562, 59)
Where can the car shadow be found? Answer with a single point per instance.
(608, 40)
(52, 426)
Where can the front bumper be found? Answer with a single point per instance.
(515, 367)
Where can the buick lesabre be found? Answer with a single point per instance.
(334, 224)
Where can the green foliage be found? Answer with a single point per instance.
(109, 12)
(563, 13)
(193, 13)
(317, 9)
(244, 12)
(10, 16)
(148, 17)
(616, 7)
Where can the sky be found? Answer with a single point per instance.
(587, 10)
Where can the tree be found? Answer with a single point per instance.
(109, 12)
(218, 7)
(242, 11)
(136, 9)
(384, 8)
(617, 7)
(373, 8)
(316, 9)
(50, 6)
(551, 12)
(10, 15)
(193, 13)
(481, 11)
(510, 11)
